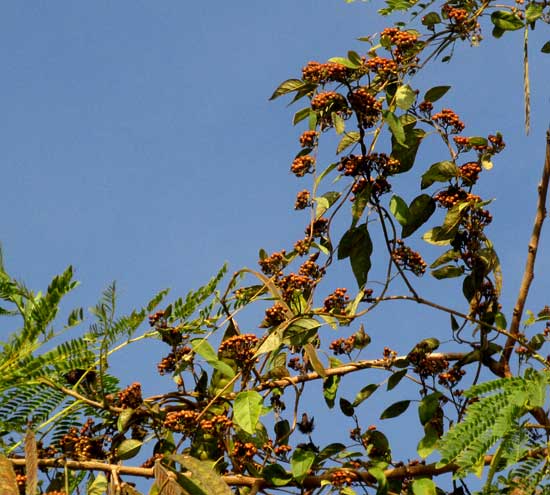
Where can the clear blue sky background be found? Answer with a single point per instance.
(138, 144)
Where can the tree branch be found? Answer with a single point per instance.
(529, 273)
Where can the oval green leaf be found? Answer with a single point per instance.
(247, 409)
(396, 409)
(129, 448)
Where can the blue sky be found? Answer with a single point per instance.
(138, 143)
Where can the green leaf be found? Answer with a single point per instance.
(439, 172)
(437, 237)
(449, 271)
(276, 475)
(477, 141)
(395, 378)
(420, 211)
(347, 140)
(399, 210)
(123, 419)
(129, 448)
(323, 174)
(360, 203)
(205, 350)
(355, 58)
(346, 407)
(428, 443)
(287, 86)
(424, 486)
(282, 431)
(396, 409)
(99, 485)
(431, 19)
(312, 121)
(301, 332)
(357, 245)
(301, 115)
(435, 93)
(338, 123)
(396, 127)
(507, 21)
(382, 482)
(428, 407)
(330, 451)
(346, 62)
(314, 360)
(200, 477)
(546, 47)
(406, 153)
(247, 409)
(450, 255)
(404, 97)
(453, 218)
(330, 388)
(300, 463)
(365, 393)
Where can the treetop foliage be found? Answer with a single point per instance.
(236, 416)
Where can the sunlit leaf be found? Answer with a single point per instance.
(247, 409)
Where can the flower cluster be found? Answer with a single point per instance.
(274, 264)
(302, 246)
(328, 100)
(342, 345)
(81, 445)
(382, 66)
(303, 200)
(469, 172)
(449, 120)
(302, 165)
(130, 397)
(381, 163)
(366, 106)
(342, 477)
(317, 228)
(274, 315)
(308, 138)
(405, 42)
(241, 348)
(408, 259)
(169, 363)
(337, 301)
(318, 73)
(450, 378)
(181, 421)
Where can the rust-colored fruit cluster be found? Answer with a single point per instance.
(408, 259)
(303, 200)
(131, 397)
(449, 121)
(274, 264)
(342, 345)
(81, 445)
(366, 106)
(308, 139)
(318, 73)
(241, 348)
(337, 301)
(302, 165)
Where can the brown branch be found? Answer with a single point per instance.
(529, 273)
(409, 471)
(351, 367)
